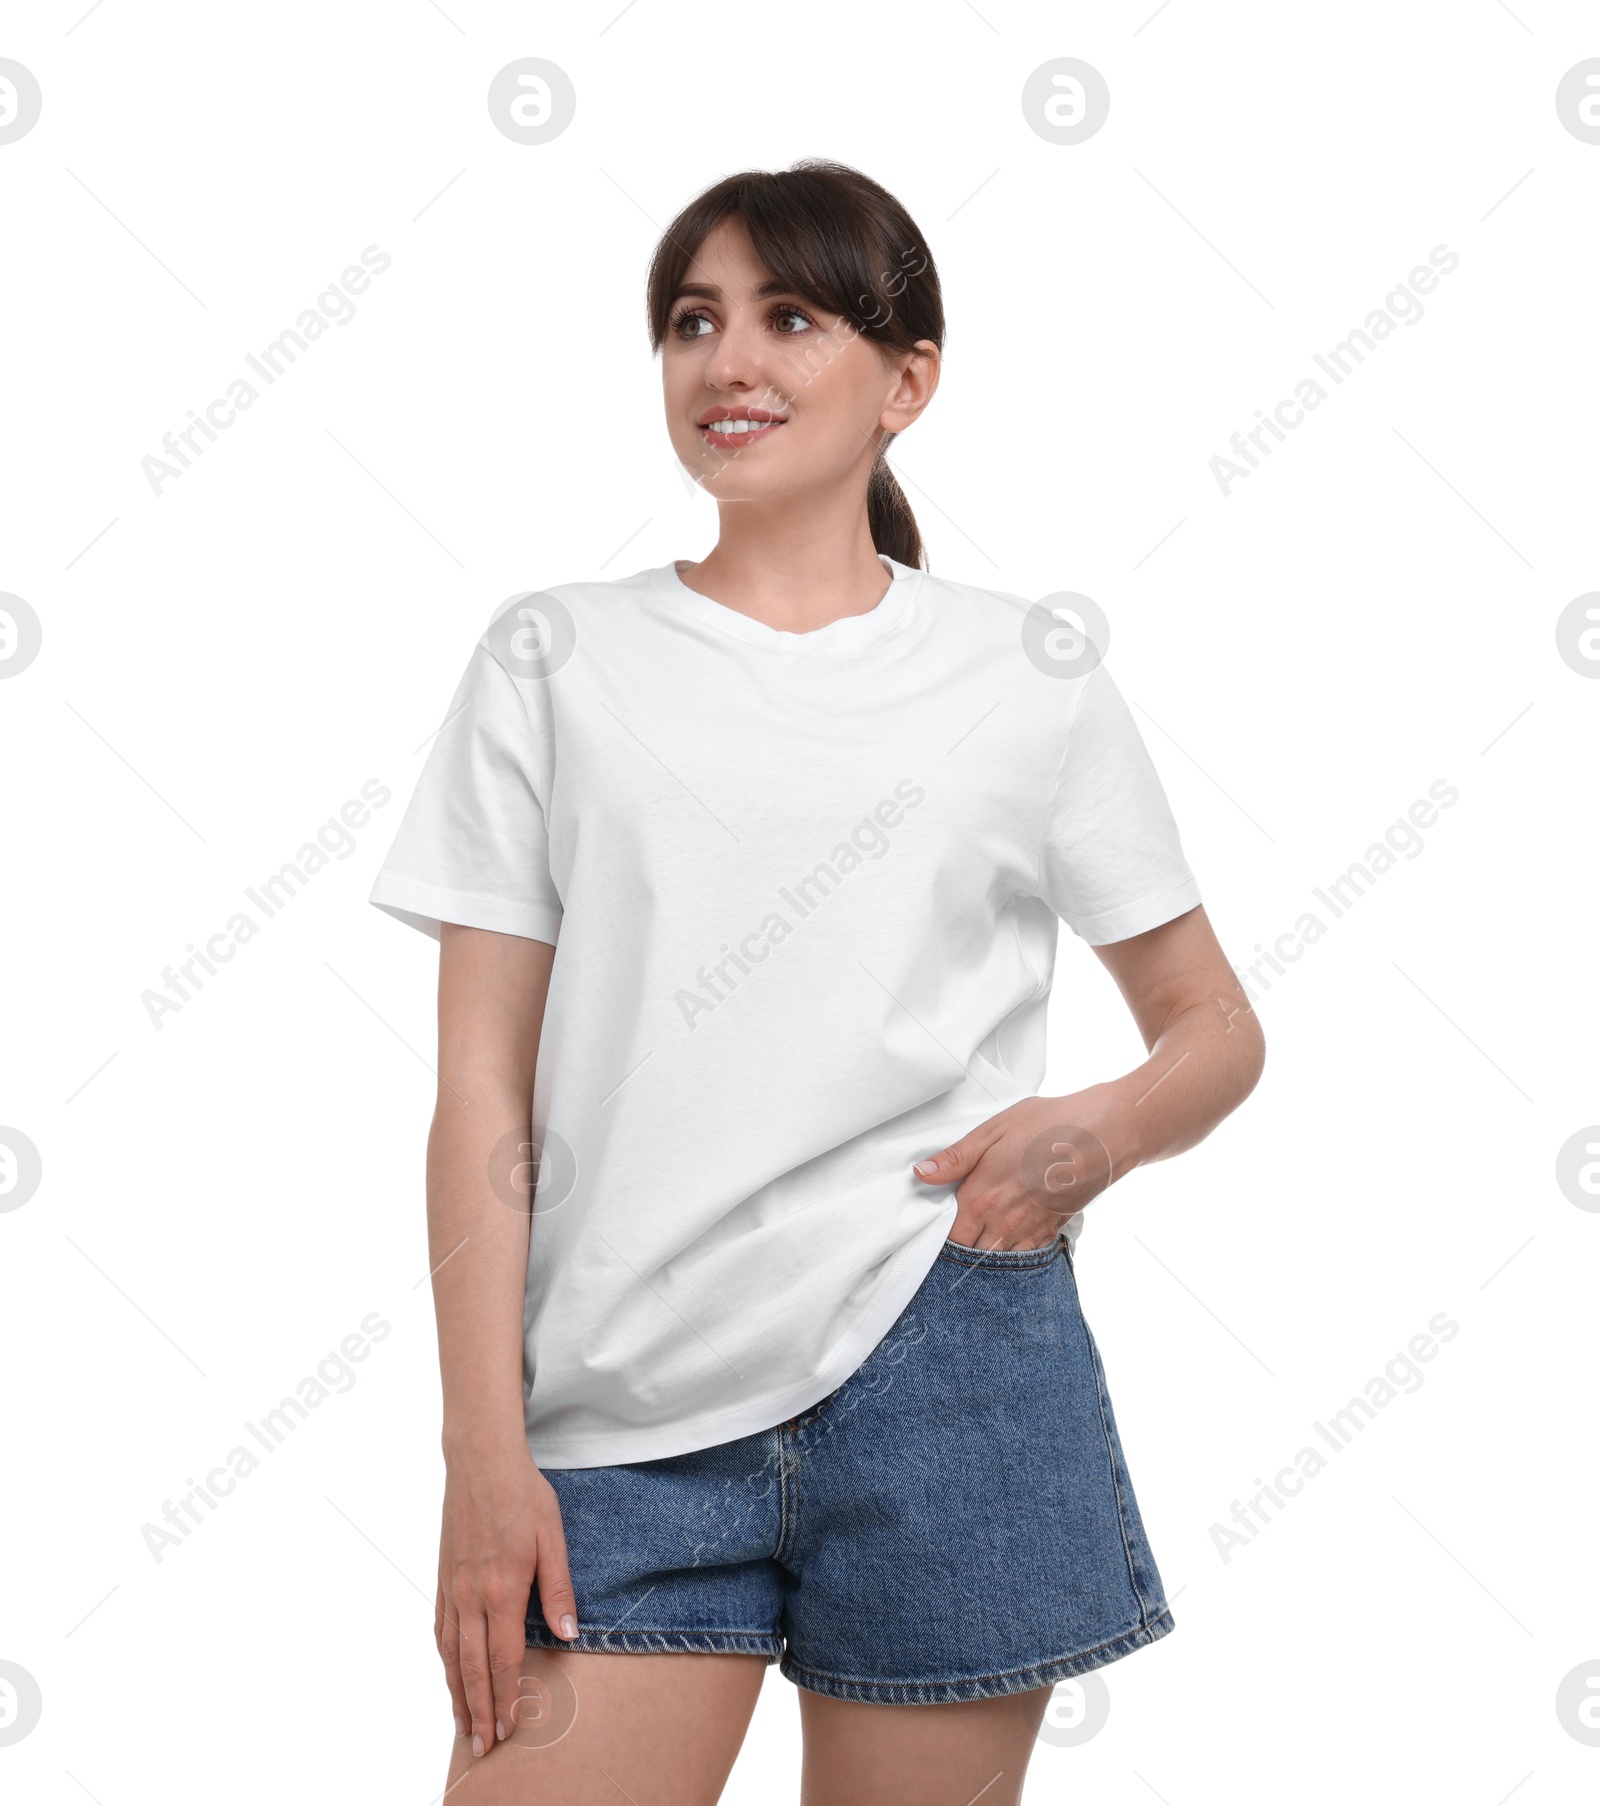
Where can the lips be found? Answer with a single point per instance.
(737, 427)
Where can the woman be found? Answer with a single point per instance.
(764, 858)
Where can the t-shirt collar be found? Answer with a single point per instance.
(891, 614)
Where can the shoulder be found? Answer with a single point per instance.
(982, 620)
(1049, 637)
(586, 597)
(594, 593)
(997, 609)
(532, 633)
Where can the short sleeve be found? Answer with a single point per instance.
(473, 846)
(1112, 864)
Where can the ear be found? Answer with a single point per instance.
(919, 377)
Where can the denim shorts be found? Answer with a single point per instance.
(954, 1522)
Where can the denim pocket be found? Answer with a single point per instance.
(1003, 1260)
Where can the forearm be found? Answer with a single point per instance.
(478, 1252)
(1202, 1065)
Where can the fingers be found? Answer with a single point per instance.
(446, 1633)
(476, 1679)
(955, 1161)
(508, 1643)
(997, 1230)
(556, 1596)
(482, 1641)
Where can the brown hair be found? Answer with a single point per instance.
(835, 237)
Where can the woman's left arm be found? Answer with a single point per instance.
(1022, 1173)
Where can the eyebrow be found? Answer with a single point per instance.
(708, 291)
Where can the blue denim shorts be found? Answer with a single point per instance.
(954, 1522)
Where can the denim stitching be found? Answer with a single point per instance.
(1060, 1668)
(788, 1502)
(995, 1259)
(646, 1642)
(1145, 1604)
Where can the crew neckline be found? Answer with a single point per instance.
(889, 614)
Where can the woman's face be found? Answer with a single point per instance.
(818, 396)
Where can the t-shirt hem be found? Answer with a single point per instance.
(425, 906)
(656, 1442)
(1138, 917)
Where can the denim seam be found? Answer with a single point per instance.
(1145, 1604)
(1099, 1655)
(1046, 1257)
(788, 1500)
(645, 1642)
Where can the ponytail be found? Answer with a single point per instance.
(894, 526)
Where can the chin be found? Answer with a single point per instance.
(729, 485)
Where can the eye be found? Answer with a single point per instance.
(790, 312)
(681, 319)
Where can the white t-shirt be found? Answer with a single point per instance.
(803, 890)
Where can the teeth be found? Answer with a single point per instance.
(738, 426)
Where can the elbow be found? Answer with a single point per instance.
(1250, 1052)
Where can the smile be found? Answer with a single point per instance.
(737, 432)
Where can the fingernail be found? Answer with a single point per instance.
(500, 1729)
(477, 1744)
(461, 1727)
(927, 1168)
(569, 1625)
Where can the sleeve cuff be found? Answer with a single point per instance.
(425, 907)
(1129, 919)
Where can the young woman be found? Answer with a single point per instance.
(747, 876)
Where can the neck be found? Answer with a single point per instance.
(793, 574)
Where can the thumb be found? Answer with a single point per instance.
(953, 1162)
(555, 1588)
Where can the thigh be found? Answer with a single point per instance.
(861, 1754)
(593, 1729)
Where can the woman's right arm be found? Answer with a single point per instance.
(502, 1523)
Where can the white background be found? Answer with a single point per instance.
(224, 664)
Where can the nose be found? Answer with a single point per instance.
(736, 362)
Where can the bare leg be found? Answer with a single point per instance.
(871, 1755)
(597, 1729)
